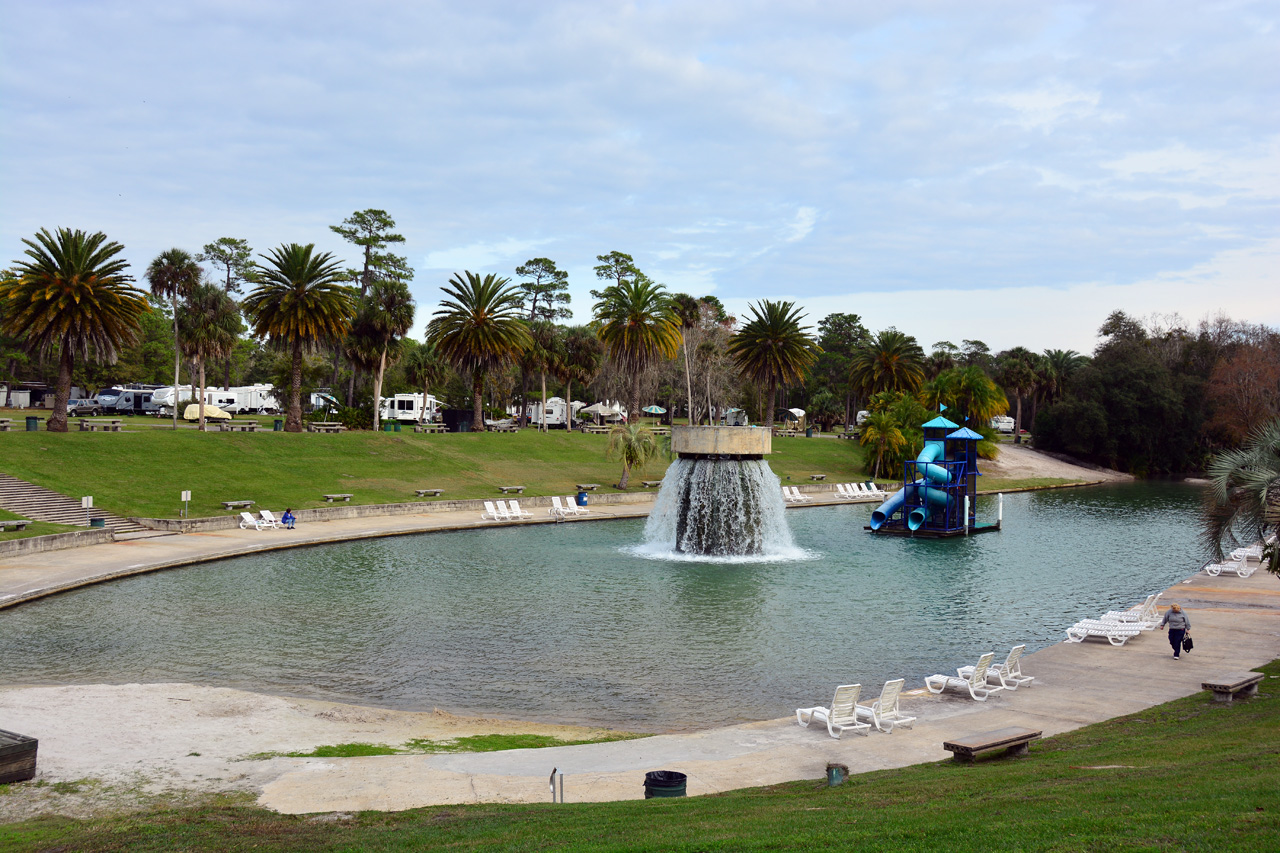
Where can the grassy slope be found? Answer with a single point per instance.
(1189, 775)
(143, 473)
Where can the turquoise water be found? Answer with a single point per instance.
(570, 623)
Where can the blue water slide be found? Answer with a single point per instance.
(935, 475)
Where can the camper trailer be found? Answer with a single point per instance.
(162, 399)
(1002, 423)
(409, 408)
(553, 414)
(253, 400)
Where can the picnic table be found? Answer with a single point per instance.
(332, 498)
(596, 430)
(325, 426)
(6, 424)
(239, 426)
(112, 425)
(435, 493)
(504, 429)
(660, 430)
(588, 487)
(787, 433)
(430, 428)
(13, 524)
(517, 489)
(237, 504)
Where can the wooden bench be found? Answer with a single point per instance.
(648, 484)
(430, 428)
(588, 487)
(332, 498)
(1236, 684)
(817, 477)
(13, 524)
(1012, 740)
(239, 426)
(105, 426)
(236, 504)
(517, 489)
(17, 757)
(435, 493)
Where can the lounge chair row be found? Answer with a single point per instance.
(1118, 626)
(793, 495)
(264, 520)
(1238, 562)
(504, 511)
(845, 713)
(859, 491)
(567, 509)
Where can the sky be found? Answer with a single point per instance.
(1010, 172)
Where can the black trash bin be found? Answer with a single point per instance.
(664, 783)
(33, 424)
(808, 433)
(278, 426)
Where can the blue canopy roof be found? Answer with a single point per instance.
(966, 433)
(940, 422)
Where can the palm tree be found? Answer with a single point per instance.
(583, 355)
(210, 328)
(1059, 365)
(1244, 495)
(881, 432)
(542, 357)
(73, 298)
(479, 328)
(299, 302)
(386, 316)
(969, 391)
(424, 366)
(637, 327)
(893, 361)
(174, 273)
(634, 445)
(1018, 375)
(688, 311)
(773, 347)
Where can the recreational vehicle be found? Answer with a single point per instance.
(554, 414)
(409, 408)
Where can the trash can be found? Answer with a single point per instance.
(97, 522)
(397, 426)
(664, 783)
(836, 774)
(278, 425)
(33, 424)
(808, 433)
(386, 427)
(582, 497)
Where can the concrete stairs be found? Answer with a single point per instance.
(38, 504)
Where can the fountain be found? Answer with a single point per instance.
(719, 498)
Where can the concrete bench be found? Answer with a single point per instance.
(517, 489)
(1237, 684)
(817, 477)
(237, 504)
(649, 484)
(332, 498)
(435, 493)
(13, 524)
(6, 424)
(1013, 740)
(105, 426)
(588, 487)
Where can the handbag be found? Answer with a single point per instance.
(1187, 645)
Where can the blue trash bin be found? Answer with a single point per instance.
(582, 497)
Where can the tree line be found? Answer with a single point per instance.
(1154, 398)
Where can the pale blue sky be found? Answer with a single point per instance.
(1009, 171)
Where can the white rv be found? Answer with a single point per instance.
(162, 399)
(1002, 423)
(409, 408)
(254, 400)
(554, 414)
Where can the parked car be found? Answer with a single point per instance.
(81, 408)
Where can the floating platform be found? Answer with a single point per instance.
(898, 528)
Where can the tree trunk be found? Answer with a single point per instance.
(544, 402)
(177, 360)
(1017, 421)
(426, 392)
(226, 375)
(293, 420)
(688, 381)
(62, 392)
(769, 402)
(377, 390)
(200, 372)
(626, 472)
(477, 406)
(633, 413)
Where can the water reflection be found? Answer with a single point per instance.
(566, 623)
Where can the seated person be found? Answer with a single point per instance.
(288, 519)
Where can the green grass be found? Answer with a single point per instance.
(1189, 775)
(426, 746)
(35, 528)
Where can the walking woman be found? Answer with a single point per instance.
(1179, 625)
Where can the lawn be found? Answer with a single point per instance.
(1189, 775)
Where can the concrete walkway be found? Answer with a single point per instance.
(1236, 627)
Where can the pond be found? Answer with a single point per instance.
(573, 623)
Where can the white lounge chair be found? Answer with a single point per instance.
(847, 492)
(557, 509)
(1115, 633)
(269, 519)
(975, 682)
(796, 495)
(1145, 615)
(842, 714)
(571, 506)
(1009, 673)
(516, 512)
(247, 521)
(875, 491)
(884, 713)
(1240, 567)
(492, 513)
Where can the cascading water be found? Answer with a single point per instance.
(719, 507)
